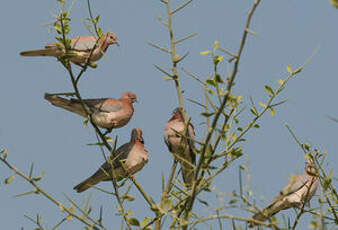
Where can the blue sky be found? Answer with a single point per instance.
(55, 140)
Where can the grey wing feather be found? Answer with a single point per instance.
(110, 108)
(191, 143)
(122, 153)
(292, 188)
(97, 104)
(82, 44)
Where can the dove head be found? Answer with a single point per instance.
(310, 167)
(129, 96)
(111, 38)
(177, 114)
(136, 135)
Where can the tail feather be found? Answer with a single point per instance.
(70, 105)
(42, 52)
(86, 184)
(97, 177)
(187, 174)
(267, 212)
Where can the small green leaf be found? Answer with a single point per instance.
(39, 176)
(128, 198)
(334, 3)
(254, 111)
(298, 70)
(133, 221)
(145, 221)
(269, 90)
(272, 111)
(216, 45)
(167, 78)
(61, 207)
(207, 114)
(211, 82)
(99, 31)
(9, 179)
(256, 126)
(262, 104)
(4, 153)
(205, 52)
(218, 59)
(109, 139)
(168, 203)
(219, 80)
(232, 201)
(288, 68)
(281, 82)
(85, 122)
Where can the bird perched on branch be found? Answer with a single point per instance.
(296, 194)
(180, 144)
(80, 48)
(106, 113)
(127, 160)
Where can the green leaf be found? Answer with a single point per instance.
(39, 176)
(109, 139)
(219, 80)
(256, 126)
(9, 179)
(128, 198)
(288, 68)
(232, 201)
(269, 90)
(211, 82)
(334, 3)
(145, 221)
(254, 111)
(262, 104)
(205, 52)
(168, 203)
(85, 122)
(133, 221)
(167, 78)
(281, 82)
(272, 111)
(298, 70)
(97, 19)
(4, 153)
(217, 59)
(207, 114)
(216, 45)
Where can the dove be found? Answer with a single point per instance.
(130, 158)
(106, 113)
(181, 149)
(294, 195)
(80, 48)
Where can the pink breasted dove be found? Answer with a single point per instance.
(80, 48)
(294, 195)
(106, 113)
(181, 149)
(130, 158)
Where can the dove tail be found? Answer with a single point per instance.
(70, 105)
(86, 184)
(97, 177)
(266, 213)
(187, 174)
(42, 52)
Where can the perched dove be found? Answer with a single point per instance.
(181, 149)
(130, 158)
(107, 113)
(294, 195)
(80, 48)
